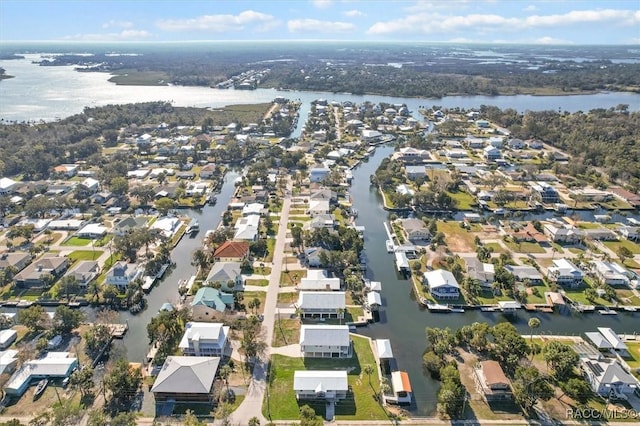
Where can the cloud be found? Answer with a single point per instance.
(551, 40)
(428, 23)
(317, 26)
(530, 8)
(248, 19)
(124, 35)
(322, 4)
(117, 24)
(462, 40)
(353, 13)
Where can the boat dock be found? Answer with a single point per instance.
(118, 330)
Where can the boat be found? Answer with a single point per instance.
(390, 248)
(438, 308)
(607, 311)
(489, 309)
(42, 385)
(194, 227)
(457, 310)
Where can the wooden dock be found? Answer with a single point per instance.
(118, 330)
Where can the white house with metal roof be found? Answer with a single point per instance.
(442, 284)
(321, 304)
(330, 385)
(613, 338)
(204, 339)
(564, 272)
(317, 279)
(55, 365)
(608, 379)
(325, 341)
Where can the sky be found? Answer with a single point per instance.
(481, 21)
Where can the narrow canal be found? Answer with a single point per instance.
(136, 341)
(404, 322)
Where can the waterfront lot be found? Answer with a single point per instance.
(360, 403)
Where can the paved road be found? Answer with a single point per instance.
(252, 404)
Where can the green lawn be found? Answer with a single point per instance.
(634, 351)
(271, 246)
(260, 282)
(288, 298)
(84, 255)
(525, 247)
(286, 332)
(497, 248)
(76, 241)
(359, 405)
(250, 295)
(457, 238)
(615, 245)
(291, 278)
(464, 200)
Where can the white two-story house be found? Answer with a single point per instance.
(325, 341)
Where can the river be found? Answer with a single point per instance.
(48, 93)
(404, 321)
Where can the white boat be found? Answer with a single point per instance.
(390, 247)
(607, 312)
(457, 310)
(42, 385)
(434, 307)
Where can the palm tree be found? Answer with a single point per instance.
(385, 387)
(340, 312)
(225, 372)
(254, 421)
(533, 324)
(368, 370)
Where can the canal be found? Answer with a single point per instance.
(136, 341)
(404, 322)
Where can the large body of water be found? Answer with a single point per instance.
(47, 93)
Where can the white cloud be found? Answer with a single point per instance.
(322, 4)
(248, 19)
(461, 40)
(428, 23)
(117, 24)
(317, 26)
(124, 35)
(530, 8)
(353, 13)
(550, 40)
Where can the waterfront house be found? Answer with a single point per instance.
(318, 174)
(562, 234)
(207, 171)
(247, 228)
(322, 221)
(484, 273)
(523, 273)
(608, 379)
(491, 382)
(321, 304)
(225, 273)
(7, 337)
(415, 172)
(32, 275)
(204, 339)
(323, 385)
(318, 280)
(546, 192)
(122, 274)
(613, 338)
(312, 257)
(491, 153)
(168, 226)
(416, 230)
(325, 341)
(8, 361)
(54, 365)
(611, 273)
(186, 379)
(564, 272)
(411, 155)
(401, 388)
(84, 272)
(209, 303)
(231, 251)
(129, 223)
(404, 189)
(17, 260)
(442, 284)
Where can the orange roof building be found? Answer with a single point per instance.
(232, 251)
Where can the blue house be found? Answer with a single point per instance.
(209, 303)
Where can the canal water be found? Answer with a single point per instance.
(136, 341)
(403, 321)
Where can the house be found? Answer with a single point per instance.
(415, 172)
(401, 388)
(186, 379)
(535, 144)
(491, 382)
(416, 230)
(67, 170)
(325, 341)
(516, 143)
(84, 272)
(374, 300)
(224, 273)
(482, 124)
(318, 207)
(411, 155)
(204, 339)
(525, 272)
(599, 341)
(324, 194)
(561, 234)
(7, 185)
(65, 224)
(631, 233)
(122, 274)
(322, 221)
(55, 365)
(209, 303)
(253, 209)
(404, 189)
(321, 304)
(168, 226)
(317, 279)
(128, 224)
(529, 233)
(472, 217)
(92, 185)
(92, 231)
(546, 192)
(611, 273)
(318, 174)
(484, 273)
(324, 385)
(564, 272)
(8, 361)
(7, 337)
(442, 284)
(613, 339)
(598, 234)
(608, 379)
(32, 275)
(491, 153)
(312, 257)
(16, 260)
(496, 141)
(207, 171)
(232, 251)
(247, 228)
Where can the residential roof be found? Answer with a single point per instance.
(224, 271)
(441, 278)
(200, 331)
(7, 358)
(320, 380)
(598, 340)
(12, 259)
(324, 335)
(374, 298)
(400, 381)
(321, 300)
(384, 348)
(609, 371)
(613, 338)
(213, 298)
(232, 249)
(54, 364)
(493, 373)
(186, 374)
(317, 279)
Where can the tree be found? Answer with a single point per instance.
(223, 412)
(252, 344)
(123, 382)
(561, 358)
(200, 259)
(66, 319)
(69, 284)
(368, 370)
(578, 389)
(533, 324)
(254, 421)
(624, 253)
(451, 395)
(164, 205)
(34, 318)
(529, 386)
(440, 340)
(95, 339)
(97, 417)
(308, 417)
(254, 304)
(225, 373)
(82, 381)
(508, 346)
(124, 419)
(190, 419)
(432, 363)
